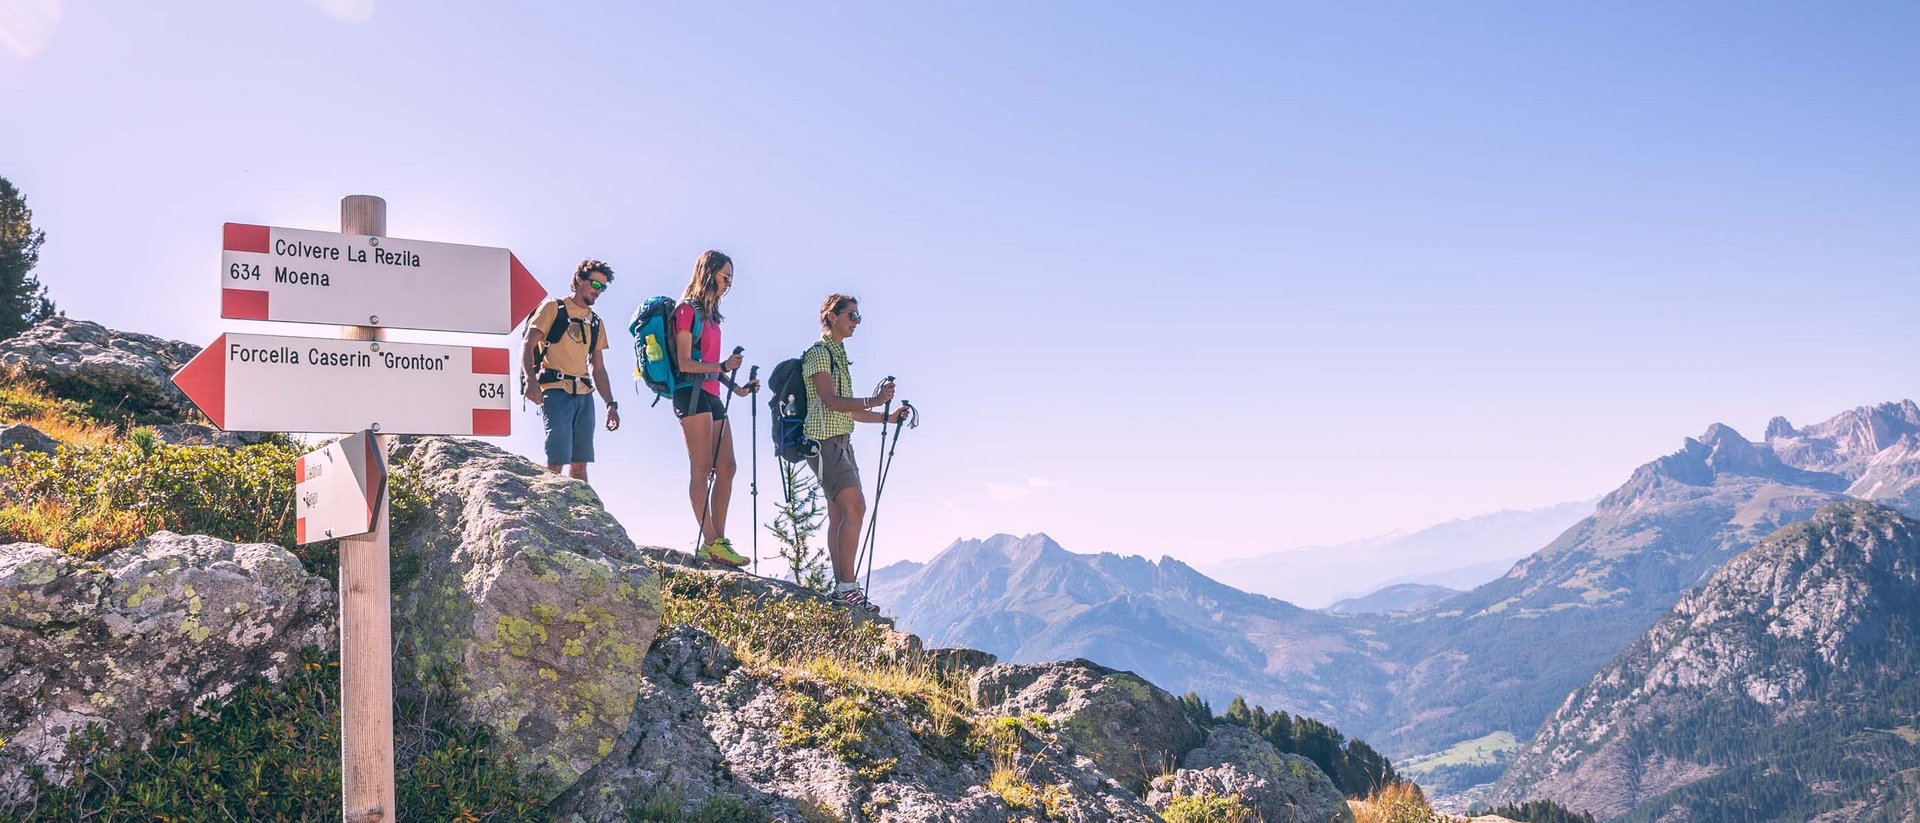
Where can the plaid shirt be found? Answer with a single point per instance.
(827, 356)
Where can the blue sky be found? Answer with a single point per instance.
(1201, 280)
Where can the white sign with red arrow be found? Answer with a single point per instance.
(259, 382)
(301, 276)
(337, 490)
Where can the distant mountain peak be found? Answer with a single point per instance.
(1849, 438)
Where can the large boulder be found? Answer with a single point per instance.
(529, 598)
(165, 625)
(117, 372)
(1275, 786)
(1132, 729)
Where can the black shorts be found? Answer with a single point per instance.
(694, 400)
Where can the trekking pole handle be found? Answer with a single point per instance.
(727, 379)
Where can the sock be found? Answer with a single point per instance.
(844, 587)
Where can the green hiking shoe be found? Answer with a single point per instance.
(721, 551)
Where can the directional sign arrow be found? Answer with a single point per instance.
(258, 382)
(300, 276)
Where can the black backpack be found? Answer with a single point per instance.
(788, 406)
(561, 322)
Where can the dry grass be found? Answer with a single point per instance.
(87, 534)
(24, 401)
(1400, 802)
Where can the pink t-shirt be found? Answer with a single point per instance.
(708, 342)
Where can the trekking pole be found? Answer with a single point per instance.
(885, 413)
(753, 478)
(713, 464)
(880, 483)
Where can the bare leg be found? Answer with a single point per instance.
(723, 478)
(698, 429)
(843, 532)
(552, 469)
(577, 471)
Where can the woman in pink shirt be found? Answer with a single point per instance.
(702, 413)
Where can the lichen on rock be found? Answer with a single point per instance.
(531, 601)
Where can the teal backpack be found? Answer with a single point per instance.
(653, 356)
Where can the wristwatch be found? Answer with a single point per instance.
(613, 404)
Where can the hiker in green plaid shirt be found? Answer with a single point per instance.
(832, 411)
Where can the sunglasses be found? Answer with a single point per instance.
(854, 315)
(597, 285)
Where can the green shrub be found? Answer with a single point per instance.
(663, 806)
(1207, 808)
(790, 632)
(83, 499)
(272, 752)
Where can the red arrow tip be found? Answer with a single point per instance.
(524, 292)
(204, 379)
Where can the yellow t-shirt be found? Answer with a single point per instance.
(569, 354)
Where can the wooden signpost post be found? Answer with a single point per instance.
(371, 388)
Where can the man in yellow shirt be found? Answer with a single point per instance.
(564, 366)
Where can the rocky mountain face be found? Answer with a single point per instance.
(1502, 656)
(1027, 599)
(1785, 688)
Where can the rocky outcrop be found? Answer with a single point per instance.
(530, 598)
(1132, 729)
(120, 373)
(166, 624)
(1275, 786)
(706, 726)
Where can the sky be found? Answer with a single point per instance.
(1201, 280)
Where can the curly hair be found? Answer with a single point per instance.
(834, 304)
(588, 266)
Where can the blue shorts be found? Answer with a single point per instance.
(569, 426)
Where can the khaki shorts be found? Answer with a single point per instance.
(835, 466)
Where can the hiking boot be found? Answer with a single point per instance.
(856, 600)
(721, 551)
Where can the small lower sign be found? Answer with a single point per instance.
(337, 490)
